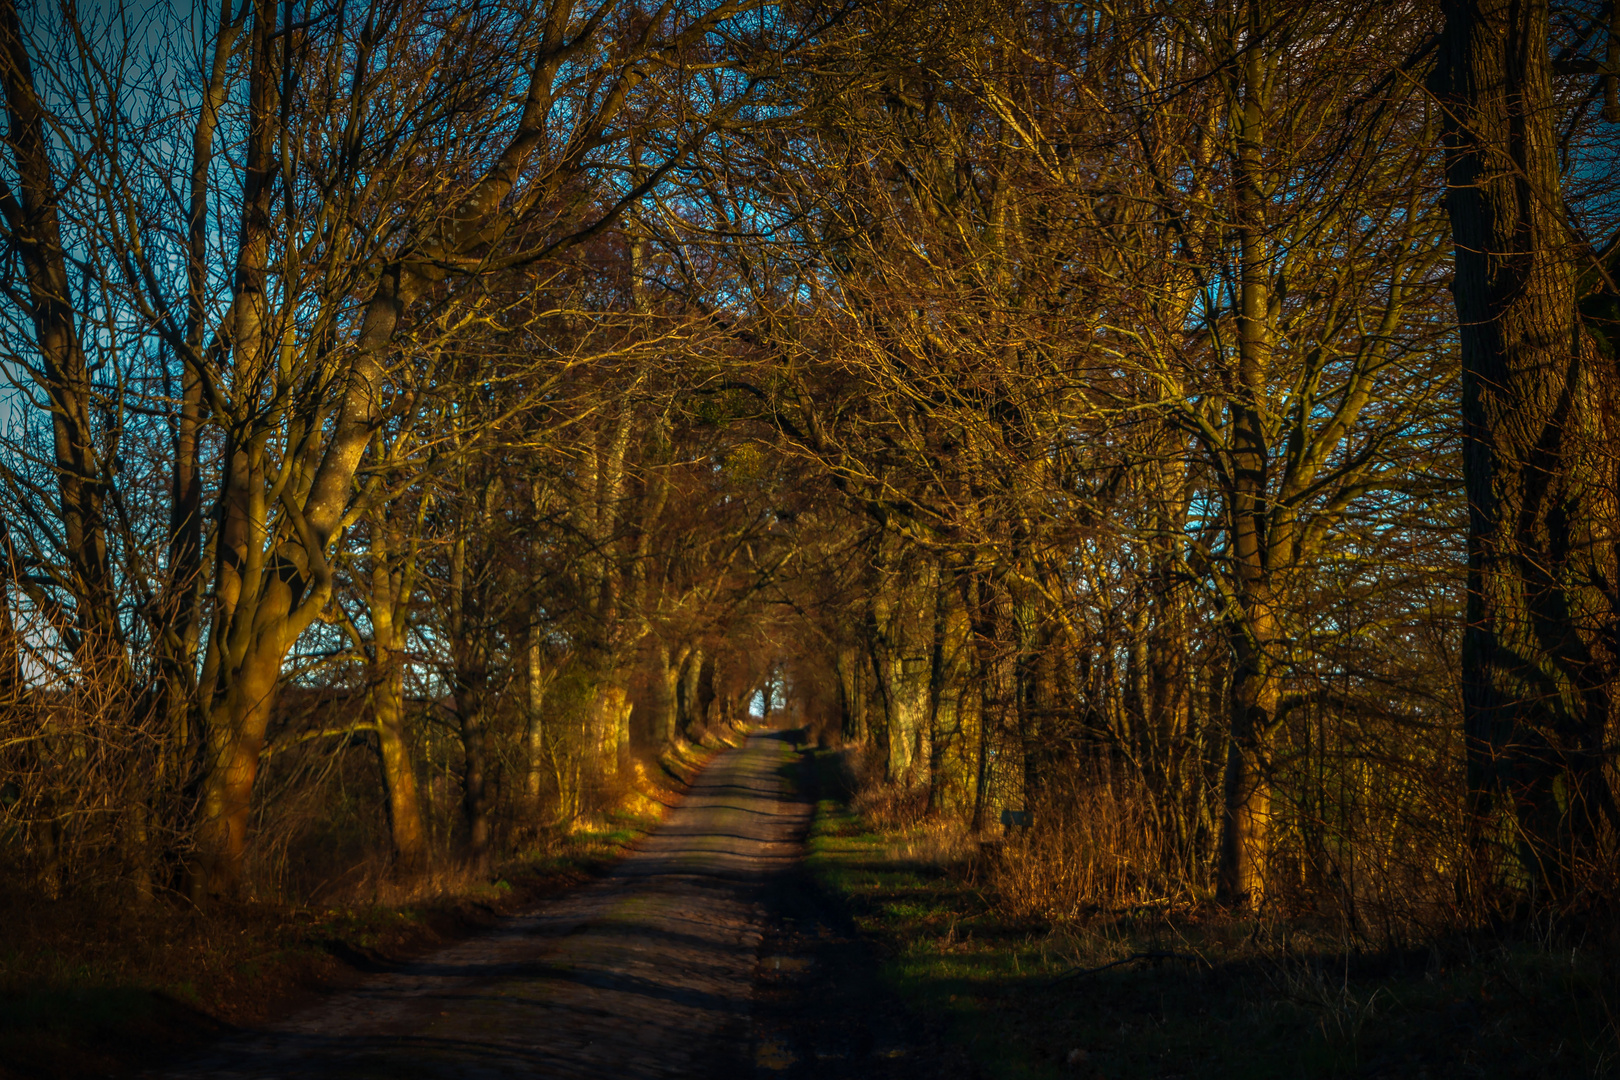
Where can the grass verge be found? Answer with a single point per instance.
(1166, 995)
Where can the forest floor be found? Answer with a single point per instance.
(100, 989)
(1202, 994)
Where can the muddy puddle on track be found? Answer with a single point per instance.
(651, 972)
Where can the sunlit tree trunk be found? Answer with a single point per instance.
(599, 511)
(1252, 619)
(941, 671)
(534, 727)
(253, 618)
(178, 610)
(392, 583)
(664, 722)
(852, 666)
(610, 722)
(898, 637)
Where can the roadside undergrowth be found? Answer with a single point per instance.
(1195, 993)
(101, 988)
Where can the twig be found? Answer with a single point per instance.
(1156, 954)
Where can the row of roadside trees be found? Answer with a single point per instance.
(1067, 399)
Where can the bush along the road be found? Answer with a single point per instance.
(1186, 991)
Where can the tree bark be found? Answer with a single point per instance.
(1538, 660)
(405, 824)
(707, 695)
(687, 700)
(852, 665)
(32, 226)
(1245, 822)
(470, 656)
(534, 729)
(1246, 818)
(391, 586)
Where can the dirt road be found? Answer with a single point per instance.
(647, 973)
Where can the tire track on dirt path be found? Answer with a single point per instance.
(647, 973)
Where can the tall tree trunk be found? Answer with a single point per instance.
(610, 723)
(707, 694)
(900, 666)
(469, 647)
(1245, 823)
(1246, 818)
(1538, 661)
(687, 702)
(852, 665)
(475, 769)
(405, 823)
(250, 634)
(665, 719)
(33, 228)
(534, 730)
(535, 674)
(997, 762)
(391, 586)
(939, 679)
(235, 737)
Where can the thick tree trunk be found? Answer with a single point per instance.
(1246, 817)
(708, 695)
(664, 719)
(1033, 695)
(392, 583)
(1538, 659)
(251, 631)
(688, 703)
(535, 676)
(235, 738)
(388, 598)
(610, 724)
(997, 763)
(899, 649)
(394, 753)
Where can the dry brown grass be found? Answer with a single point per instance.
(1091, 847)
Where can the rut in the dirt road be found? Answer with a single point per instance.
(645, 974)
